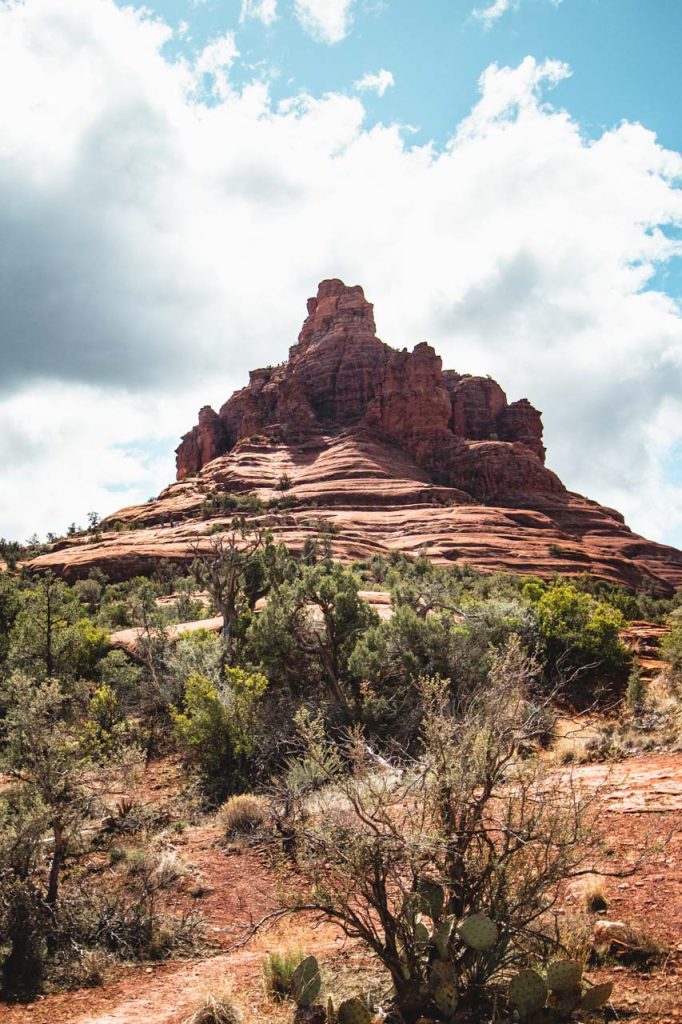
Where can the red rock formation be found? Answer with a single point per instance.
(521, 422)
(396, 453)
(339, 373)
(203, 443)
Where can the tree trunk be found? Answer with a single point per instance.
(56, 866)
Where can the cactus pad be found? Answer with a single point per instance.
(354, 1011)
(412, 906)
(445, 998)
(443, 972)
(306, 982)
(566, 1001)
(544, 1016)
(441, 936)
(563, 975)
(597, 996)
(478, 932)
(432, 897)
(527, 991)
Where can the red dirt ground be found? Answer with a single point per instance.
(644, 810)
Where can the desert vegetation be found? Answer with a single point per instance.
(397, 771)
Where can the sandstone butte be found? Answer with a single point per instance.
(397, 453)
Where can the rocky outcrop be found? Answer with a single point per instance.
(386, 452)
(201, 444)
(340, 374)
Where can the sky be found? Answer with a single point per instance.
(502, 177)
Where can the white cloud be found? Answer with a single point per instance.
(327, 21)
(56, 441)
(215, 59)
(378, 83)
(164, 243)
(262, 10)
(490, 14)
(508, 92)
(493, 11)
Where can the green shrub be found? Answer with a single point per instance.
(278, 970)
(218, 726)
(51, 635)
(636, 690)
(103, 730)
(580, 633)
(671, 647)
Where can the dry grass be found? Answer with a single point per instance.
(638, 948)
(595, 897)
(576, 936)
(169, 868)
(658, 725)
(576, 740)
(242, 814)
(217, 1009)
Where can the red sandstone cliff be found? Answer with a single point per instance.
(340, 374)
(393, 451)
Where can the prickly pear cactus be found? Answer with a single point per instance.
(445, 998)
(306, 982)
(432, 897)
(544, 1016)
(441, 936)
(564, 975)
(412, 906)
(478, 932)
(566, 1001)
(354, 1011)
(443, 971)
(527, 992)
(597, 996)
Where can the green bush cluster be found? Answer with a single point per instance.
(229, 704)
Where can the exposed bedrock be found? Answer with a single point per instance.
(397, 453)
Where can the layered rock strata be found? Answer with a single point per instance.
(387, 449)
(340, 374)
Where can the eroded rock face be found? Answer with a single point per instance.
(391, 452)
(340, 374)
(201, 444)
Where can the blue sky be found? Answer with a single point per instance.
(502, 176)
(625, 55)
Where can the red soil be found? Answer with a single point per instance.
(643, 812)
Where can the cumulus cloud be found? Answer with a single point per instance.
(507, 93)
(261, 10)
(159, 242)
(492, 12)
(82, 441)
(215, 60)
(327, 21)
(378, 83)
